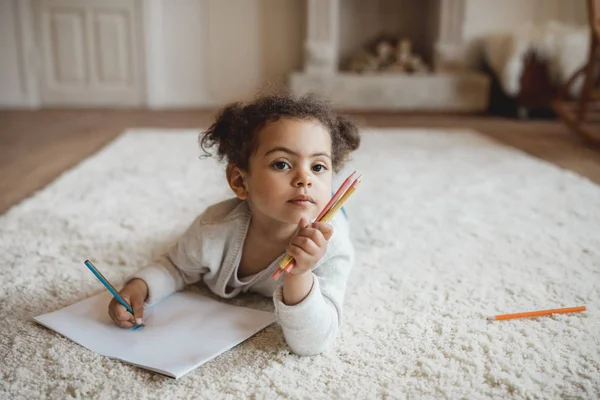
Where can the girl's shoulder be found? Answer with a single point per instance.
(225, 211)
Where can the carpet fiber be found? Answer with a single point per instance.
(449, 227)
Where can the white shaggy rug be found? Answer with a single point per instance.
(449, 227)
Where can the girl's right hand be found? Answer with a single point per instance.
(134, 293)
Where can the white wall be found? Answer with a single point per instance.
(210, 52)
(253, 44)
(175, 34)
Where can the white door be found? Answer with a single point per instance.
(90, 52)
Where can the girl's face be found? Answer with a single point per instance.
(290, 173)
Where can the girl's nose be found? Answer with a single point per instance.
(302, 179)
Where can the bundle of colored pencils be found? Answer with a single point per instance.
(337, 201)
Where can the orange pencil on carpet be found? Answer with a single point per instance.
(540, 313)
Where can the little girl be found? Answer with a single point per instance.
(281, 153)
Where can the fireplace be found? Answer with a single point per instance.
(389, 55)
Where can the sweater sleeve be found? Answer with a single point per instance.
(311, 326)
(180, 266)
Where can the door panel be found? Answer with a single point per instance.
(112, 38)
(67, 50)
(90, 52)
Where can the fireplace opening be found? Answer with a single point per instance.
(387, 36)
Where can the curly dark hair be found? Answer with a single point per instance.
(235, 130)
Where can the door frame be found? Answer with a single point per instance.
(28, 53)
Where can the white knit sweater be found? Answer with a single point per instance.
(210, 251)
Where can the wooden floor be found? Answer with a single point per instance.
(37, 146)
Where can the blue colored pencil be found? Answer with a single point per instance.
(110, 287)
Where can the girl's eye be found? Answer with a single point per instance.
(319, 168)
(280, 165)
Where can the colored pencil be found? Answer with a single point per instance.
(338, 194)
(341, 190)
(110, 288)
(540, 313)
(326, 217)
(335, 203)
(330, 214)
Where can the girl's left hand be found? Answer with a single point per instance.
(308, 245)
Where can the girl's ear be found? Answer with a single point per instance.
(236, 178)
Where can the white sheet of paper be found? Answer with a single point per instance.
(182, 332)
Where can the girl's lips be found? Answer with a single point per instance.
(301, 203)
(303, 197)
